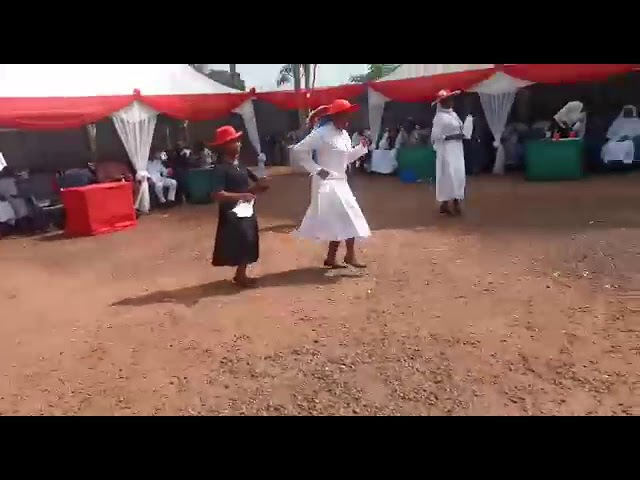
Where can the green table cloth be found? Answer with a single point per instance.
(421, 160)
(199, 184)
(555, 160)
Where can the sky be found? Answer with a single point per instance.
(263, 76)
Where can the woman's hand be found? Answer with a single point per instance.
(323, 174)
(246, 197)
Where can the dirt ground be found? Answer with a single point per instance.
(530, 304)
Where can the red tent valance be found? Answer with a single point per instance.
(422, 89)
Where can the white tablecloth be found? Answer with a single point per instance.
(7, 214)
(384, 161)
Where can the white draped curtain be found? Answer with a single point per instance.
(377, 102)
(497, 95)
(248, 114)
(496, 110)
(135, 125)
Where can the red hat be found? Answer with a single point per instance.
(442, 94)
(318, 112)
(225, 135)
(341, 106)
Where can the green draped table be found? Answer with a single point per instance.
(420, 160)
(199, 184)
(555, 160)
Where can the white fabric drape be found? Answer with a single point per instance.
(92, 131)
(248, 114)
(496, 110)
(3, 162)
(497, 95)
(135, 125)
(377, 101)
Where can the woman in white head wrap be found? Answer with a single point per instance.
(620, 146)
(446, 136)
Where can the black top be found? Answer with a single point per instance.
(233, 179)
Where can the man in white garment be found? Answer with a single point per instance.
(159, 176)
(447, 135)
(334, 215)
(620, 146)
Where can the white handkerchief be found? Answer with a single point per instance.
(244, 209)
(467, 128)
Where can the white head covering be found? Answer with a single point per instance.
(570, 114)
(625, 127)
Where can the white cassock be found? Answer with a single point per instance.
(334, 214)
(615, 150)
(157, 172)
(451, 177)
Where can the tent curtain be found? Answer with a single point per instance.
(248, 114)
(135, 125)
(377, 102)
(3, 162)
(496, 110)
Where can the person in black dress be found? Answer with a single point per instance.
(237, 239)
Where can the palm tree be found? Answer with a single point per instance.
(375, 71)
(294, 73)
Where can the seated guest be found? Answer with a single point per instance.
(9, 193)
(623, 130)
(389, 138)
(77, 177)
(158, 174)
(7, 217)
(570, 119)
(201, 156)
(403, 138)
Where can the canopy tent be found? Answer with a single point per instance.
(64, 96)
(496, 85)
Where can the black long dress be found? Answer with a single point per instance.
(237, 239)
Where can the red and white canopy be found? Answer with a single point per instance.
(62, 96)
(59, 96)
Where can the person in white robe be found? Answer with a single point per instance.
(620, 146)
(446, 136)
(159, 175)
(334, 215)
(571, 118)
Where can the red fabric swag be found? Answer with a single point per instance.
(58, 113)
(196, 107)
(311, 99)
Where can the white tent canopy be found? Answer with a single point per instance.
(136, 122)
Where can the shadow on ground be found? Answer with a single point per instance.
(191, 296)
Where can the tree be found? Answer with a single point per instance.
(295, 73)
(375, 71)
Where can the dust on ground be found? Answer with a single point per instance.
(530, 304)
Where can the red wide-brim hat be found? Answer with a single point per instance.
(442, 94)
(225, 135)
(317, 113)
(341, 106)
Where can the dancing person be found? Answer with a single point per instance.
(237, 238)
(447, 138)
(334, 215)
(159, 175)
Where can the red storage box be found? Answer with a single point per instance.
(97, 209)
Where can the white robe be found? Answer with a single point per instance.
(451, 176)
(334, 213)
(615, 150)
